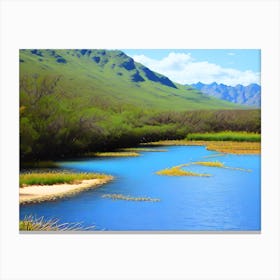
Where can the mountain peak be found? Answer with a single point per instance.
(214, 84)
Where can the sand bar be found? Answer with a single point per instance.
(39, 193)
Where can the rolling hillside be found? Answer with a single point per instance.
(115, 77)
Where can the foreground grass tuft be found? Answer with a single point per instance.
(51, 178)
(127, 197)
(31, 223)
(226, 136)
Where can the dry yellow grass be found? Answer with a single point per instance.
(215, 155)
(235, 147)
(210, 163)
(143, 150)
(219, 164)
(113, 154)
(177, 171)
(228, 147)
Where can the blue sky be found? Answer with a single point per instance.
(186, 66)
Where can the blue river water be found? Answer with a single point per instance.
(229, 200)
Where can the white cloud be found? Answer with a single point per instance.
(183, 69)
(231, 53)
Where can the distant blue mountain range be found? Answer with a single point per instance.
(247, 95)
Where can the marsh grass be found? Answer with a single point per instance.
(177, 171)
(131, 198)
(238, 148)
(143, 150)
(51, 178)
(30, 223)
(226, 136)
(215, 155)
(220, 165)
(209, 163)
(224, 147)
(113, 154)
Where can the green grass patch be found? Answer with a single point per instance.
(226, 136)
(127, 197)
(51, 178)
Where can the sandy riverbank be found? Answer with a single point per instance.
(39, 193)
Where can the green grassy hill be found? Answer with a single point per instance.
(75, 101)
(116, 78)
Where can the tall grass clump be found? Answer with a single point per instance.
(51, 178)
(241, 136)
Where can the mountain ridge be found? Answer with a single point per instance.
(246, 95)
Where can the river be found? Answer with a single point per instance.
(229, 200)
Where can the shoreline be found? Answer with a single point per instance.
(41, 193)
(224, 147)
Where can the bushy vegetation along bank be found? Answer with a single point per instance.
(56, 123)
(226, 136)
